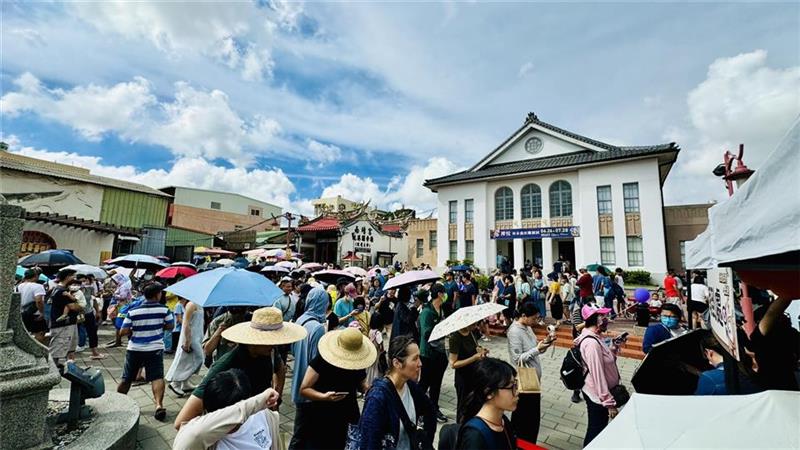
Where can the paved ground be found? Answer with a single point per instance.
(563, 422)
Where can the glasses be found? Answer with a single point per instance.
(513, 388)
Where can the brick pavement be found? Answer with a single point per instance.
(562, 426)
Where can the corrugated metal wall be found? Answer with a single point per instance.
(133, 209)
(178, 237)
(152, 242)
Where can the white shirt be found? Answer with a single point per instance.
(252, 435)
(618, 279)
(699, 293)
(29, 291)
(403, 443)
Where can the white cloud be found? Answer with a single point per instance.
(196, 124)
(237, 34)
(525, 70)
(322, 154)
(403, 191)
(742, 100)
(269, 185)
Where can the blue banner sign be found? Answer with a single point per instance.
(535, 233)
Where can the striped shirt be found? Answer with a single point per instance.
(146, 323)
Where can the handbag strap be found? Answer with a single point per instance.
(411, 428)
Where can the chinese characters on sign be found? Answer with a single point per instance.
(535, 233)
(362, 239)
(722, 309)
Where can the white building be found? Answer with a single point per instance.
(546, 192)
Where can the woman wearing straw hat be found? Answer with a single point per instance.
(330, 383)
(253, 354)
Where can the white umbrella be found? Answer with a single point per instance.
(276, 269)
(357, 271)
(224, 261)
(765, 420)
(287, 264)
(464, 317)
(86, 269)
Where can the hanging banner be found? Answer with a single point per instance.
(535, 233)
(722, 309)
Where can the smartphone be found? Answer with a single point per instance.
(341, 394)
(622, 337)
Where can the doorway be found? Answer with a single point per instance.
(567, 249)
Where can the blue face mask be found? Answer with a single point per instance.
(669, 322)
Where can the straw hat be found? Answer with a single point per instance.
(347, 349)
(266, 328)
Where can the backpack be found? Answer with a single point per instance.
(573, 371)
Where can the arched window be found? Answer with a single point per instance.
(504, 204)
(560, 199)
(531, 202)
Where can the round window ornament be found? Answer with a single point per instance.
(533, 145)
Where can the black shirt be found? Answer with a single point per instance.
(776, 355)
(59, 300)
(472, 438)
(333, 321)
(466, 294)
(332, 378)
(464, 347)
(259, 370)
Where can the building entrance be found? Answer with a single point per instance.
(566, 248)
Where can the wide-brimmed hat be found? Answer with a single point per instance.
(266, 328)
(347, 349)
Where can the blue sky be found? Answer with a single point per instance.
(288, 101)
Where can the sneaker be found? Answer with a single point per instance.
(485, 338)
(178, 391)
(79, 349)
(440, 417)
(576, 397)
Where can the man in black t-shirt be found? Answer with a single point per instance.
(468, 294)
(64, 332)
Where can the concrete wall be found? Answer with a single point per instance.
(551, 146)
(380, 243)
(52, 195)
(210, 221)
(683, 223)
(421, 229)
(85, 244)
(229, 202)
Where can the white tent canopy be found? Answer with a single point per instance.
(765, 420)
(761, 218)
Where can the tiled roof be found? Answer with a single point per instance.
(321, 224)
(554, 162)
(22, 163)
(86, 224)
(391, 228)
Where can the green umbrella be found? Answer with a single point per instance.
(598, 268)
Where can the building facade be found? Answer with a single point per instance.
(422, 237)
(334, 205)
(546, 192)
(95, 217)
(683, 223)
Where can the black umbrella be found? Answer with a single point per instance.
(672, 367)
(332, 276)
(50, 258)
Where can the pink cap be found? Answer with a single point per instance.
(588, 310)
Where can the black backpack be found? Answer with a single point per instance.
(573, 371)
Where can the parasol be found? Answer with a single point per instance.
(464, 317)
(411, 278)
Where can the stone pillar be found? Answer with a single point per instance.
(26, 371)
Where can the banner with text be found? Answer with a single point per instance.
(535, 233)
(722, 309)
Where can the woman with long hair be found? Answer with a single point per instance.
(397, 414)
(494, 392)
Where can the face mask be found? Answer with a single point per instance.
(603, 325)
(74, 288)
(148, 277)
(669, 322)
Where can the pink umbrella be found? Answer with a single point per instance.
(311, 267)
(287, 264)
(330, 276)
(357, 271)
(411, 278)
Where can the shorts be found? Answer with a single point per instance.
(33, 325)
(674, 300)
(697, 306)
(152, 361)
(63, 340)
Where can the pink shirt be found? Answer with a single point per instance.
(602, 365)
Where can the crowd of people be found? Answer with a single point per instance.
(354, 338)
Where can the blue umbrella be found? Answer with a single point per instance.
(227, 286)
(21, 274)
(240, 262)
(50, 258)
(460, 268)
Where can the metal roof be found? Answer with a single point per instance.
(22, 163)
(86, 224)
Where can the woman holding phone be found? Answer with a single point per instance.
(330, 383)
